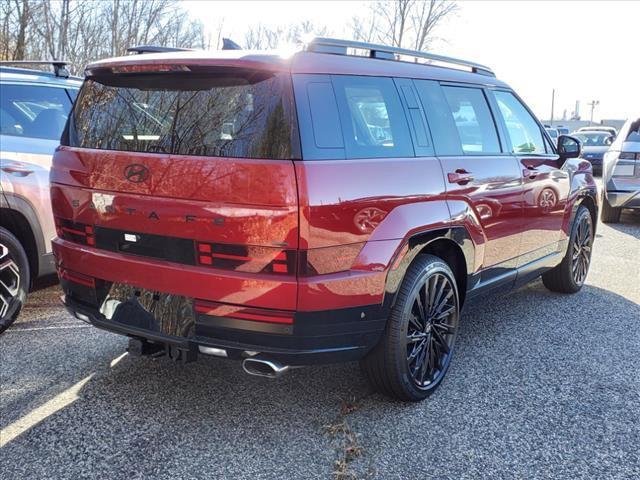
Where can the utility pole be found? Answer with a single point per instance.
(593, 104)
(553, 100)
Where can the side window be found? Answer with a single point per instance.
(324, 115)
(443, 128)
(373, 122)
(473, 120)
(33, 111)
(524, 132)
(318, 117)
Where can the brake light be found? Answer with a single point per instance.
(151, 68)
(629, 156)
(243, 313)
(75, 232)
(246, 258)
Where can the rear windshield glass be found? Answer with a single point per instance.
(222, 114)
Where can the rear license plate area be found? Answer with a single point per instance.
(157, 312)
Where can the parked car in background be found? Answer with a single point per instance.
(562, 130)
(594, 145)
(34, 106)
(310, 208)
(621, 174)
(553, 133)
(599, 128)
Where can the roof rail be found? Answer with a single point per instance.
(59, 67)
(155, 49)
(341, 47)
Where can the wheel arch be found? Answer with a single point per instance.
(17, 216)
(453, 245)
(591, 205)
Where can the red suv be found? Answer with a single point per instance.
(342, 203)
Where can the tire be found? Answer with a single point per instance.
(394, 366)
(14, 278)
(570, 274)
(609, 214)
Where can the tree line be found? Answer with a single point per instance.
(82, 31)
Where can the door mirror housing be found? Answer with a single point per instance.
(569, 147)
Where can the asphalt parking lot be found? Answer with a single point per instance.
(542, 386)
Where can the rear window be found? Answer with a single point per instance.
(230, 113)
(33, 111)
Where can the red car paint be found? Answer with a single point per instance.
(350, 223)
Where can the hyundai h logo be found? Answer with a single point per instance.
(136, 173)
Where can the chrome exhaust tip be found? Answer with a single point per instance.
(264, 367)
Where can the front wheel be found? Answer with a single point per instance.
(14, 278)
(571, 273)
(414, 354)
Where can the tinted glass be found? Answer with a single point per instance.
(473, 120)
(524, 132)
(227, 114)
(373, 122)
(33, 111)
(443, 128)
(324, 115)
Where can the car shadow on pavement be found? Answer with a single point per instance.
(521, 359)
(628, 224)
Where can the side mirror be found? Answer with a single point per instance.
(569, 147)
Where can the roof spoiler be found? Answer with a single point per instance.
(140, 49)
(59, 67)
(342, 47)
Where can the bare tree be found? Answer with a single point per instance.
(402, 23)
(427, 17)
(81, 31)
(262, 37)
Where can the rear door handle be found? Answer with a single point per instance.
(460, 176)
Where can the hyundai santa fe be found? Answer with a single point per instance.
(341, 203)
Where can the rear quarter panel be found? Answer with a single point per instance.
(371, 206)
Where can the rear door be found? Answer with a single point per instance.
(546, 184)
(482, 180)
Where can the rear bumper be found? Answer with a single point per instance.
(312, 338)
(620, 199)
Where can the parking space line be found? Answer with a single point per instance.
(37, 415)
(59, 327)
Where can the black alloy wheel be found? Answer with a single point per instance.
(569, 276)
(431, 330)
(415, 352)
(581, 250)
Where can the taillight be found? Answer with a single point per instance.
(629, 156)
(246, 258)
(75, 232)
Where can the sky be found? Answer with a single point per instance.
(585, 50)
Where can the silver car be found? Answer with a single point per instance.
(34, 106)
(621, 173)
